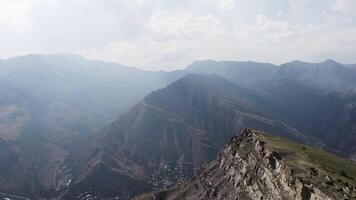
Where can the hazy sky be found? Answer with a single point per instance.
(168, 34)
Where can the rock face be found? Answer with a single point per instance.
(49, 103)
(255, 165)
(187, 122)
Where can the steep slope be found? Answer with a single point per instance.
(187, 122)
(336, 124)
(256, 165)
(14, 110)
(316, 98)
(48, 103)
(20, 145)
(75, 94)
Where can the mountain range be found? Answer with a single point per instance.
(49, 103)
(72, 127)
(186, 122)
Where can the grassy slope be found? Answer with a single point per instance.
(304, 157)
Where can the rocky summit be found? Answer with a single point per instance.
(77, 128)
(257, 165)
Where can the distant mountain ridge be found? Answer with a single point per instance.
(48, 103)
(308, 96)
(186, 122)
(327, 76)
(53, 102)
(246, 74)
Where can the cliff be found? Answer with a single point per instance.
(256, 165)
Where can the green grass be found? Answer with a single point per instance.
(303, 157)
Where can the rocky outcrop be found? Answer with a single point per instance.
(252, 166)
(187, 122)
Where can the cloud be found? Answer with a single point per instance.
(343, 6)
(183, 27)
(169, 34)
(13, 15)
(168, 40)
(224, 4)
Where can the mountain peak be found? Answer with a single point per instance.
(330, 62)
(257, 165)
(296, 62)
(192, 85)
(299, 62)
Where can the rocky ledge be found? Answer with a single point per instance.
(256, 165)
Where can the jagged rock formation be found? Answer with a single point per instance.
(48, 103)
(187, 122)
(256, 165)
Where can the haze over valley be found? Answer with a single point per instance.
(68, 134)
(177, 100)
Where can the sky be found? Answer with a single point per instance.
(170, 34)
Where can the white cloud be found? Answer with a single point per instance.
(168, 41)
(166, 34)
(185, 27)
(344, 6)
(13, 15)
(226, 4)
